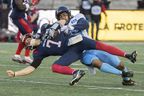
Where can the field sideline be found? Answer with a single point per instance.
(45, 83)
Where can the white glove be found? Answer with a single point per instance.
(49, 33)
(66, 29)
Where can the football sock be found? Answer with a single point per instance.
(19, 49)
(27, 52)
(107, 68)
(62, 69)
(110, 49)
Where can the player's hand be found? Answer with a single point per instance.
(10, 73)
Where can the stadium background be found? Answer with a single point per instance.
(43, 82)
(124, 21)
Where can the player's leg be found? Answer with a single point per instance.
(116, 51)
(27, 58)
(27, 28)
(89, 44)
(115, 62)
(24, 28)
(89, 59)
(23, 25)
(61, 66)
(17, 57)
(126, 80)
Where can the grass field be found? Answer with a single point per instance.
(45, 83)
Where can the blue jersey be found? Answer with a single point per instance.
(77, 24)
(59, 47)
(54, 47)
(18, 9)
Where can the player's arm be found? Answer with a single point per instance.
(53, 31)
(82, 24)
(22, 72)
(21, 5)
(26, 71)
(104, 9)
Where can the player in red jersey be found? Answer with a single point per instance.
(22, 19)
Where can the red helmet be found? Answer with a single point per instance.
(35, 2)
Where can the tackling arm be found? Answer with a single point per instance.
(81, 25)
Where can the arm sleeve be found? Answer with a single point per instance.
(36, 63)
(81, 25)
(20, 5)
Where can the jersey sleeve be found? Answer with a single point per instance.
(36, 63)
(82, 24)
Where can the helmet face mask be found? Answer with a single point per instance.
(61, 10)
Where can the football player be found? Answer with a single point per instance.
(20, 18)
(75, 23)
(58, 43)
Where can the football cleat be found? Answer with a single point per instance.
(27, 60)
(17, 58)
(128, 82)
(127, 74)
(132, 56)
(78, 74)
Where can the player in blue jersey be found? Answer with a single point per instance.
(68, 46)
(107, 63)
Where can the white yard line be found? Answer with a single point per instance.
(86, 86)
(116, 88)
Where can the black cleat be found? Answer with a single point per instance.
(132, 56)
(76, 77)
(128, 82)
(127, 74)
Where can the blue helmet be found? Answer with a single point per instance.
(61, 10)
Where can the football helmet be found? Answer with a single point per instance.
(61, 10)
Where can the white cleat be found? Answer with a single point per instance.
(17, 58)
(27, 60)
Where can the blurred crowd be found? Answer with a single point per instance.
(5, 34)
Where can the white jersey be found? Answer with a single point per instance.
(73, 21)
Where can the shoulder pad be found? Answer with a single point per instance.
(79, 16)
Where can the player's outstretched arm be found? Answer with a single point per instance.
(25, 71)
(22, 72)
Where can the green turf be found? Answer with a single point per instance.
(45, 83)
